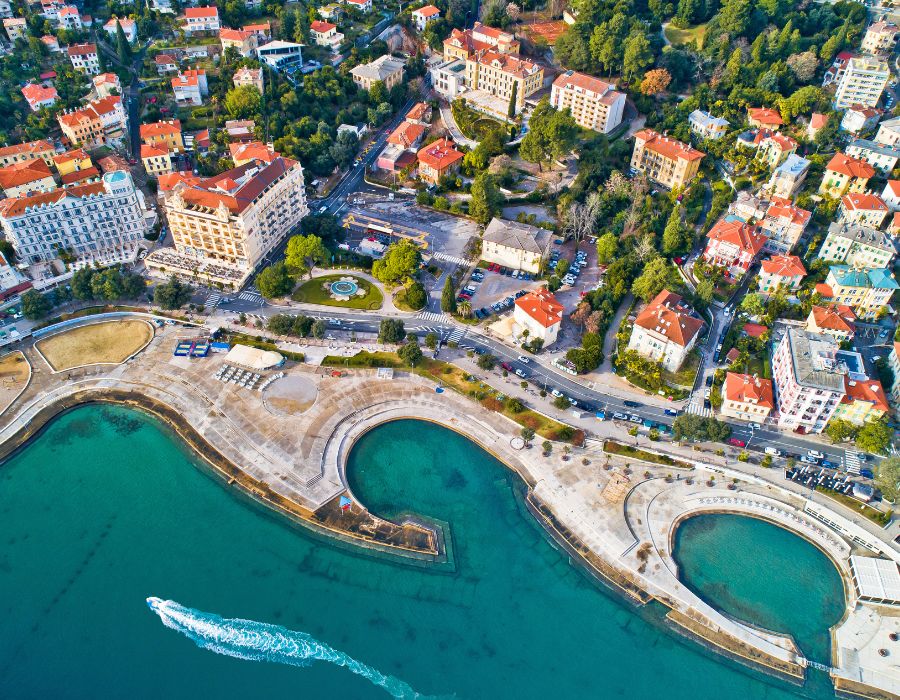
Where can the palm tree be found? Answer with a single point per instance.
(465, 309)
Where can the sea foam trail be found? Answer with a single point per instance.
(258, 641)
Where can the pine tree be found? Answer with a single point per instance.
(124, 48)
(513, 98)
(448, 297)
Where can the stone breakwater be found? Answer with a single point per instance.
(295, 463)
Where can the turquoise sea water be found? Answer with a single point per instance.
(792, 586)
(106, 509)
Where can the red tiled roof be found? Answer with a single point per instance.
(34, 147)
(201, 12)
(817, 121)
(765, 115)
(427, 11)
(165, 59)
(224, 189)
(418, 112)
(738, 233)
(440, 154)
(74, 154)
(322, 27)
(850, 166)
(542, 306)
(780, 208)
(80, 175)
(585, 82)
(19, 174)
(81, 49)
(745, 388)
(17, 205)
(161, 128)
(152, 151)
(407, 134)
(834, 317)
(869, 390)
(253, 150)
(784, 266)
(863, 202)
(168, 181)
(235, 34)
(667, 315)
(755, 330)
(38, 93)
(667, 147)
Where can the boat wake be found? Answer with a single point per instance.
(258, 641)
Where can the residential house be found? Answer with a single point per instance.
(332, 12)
(22, 152)
(249, 76)
(224, 226)
(164, 134)
(200, 20)
(880, 38)
(38, 96)
(857, 245)
(771, 147)
(243, 153)
(494, 78)
(665, 331)
(399, 152)
(363, 6)
(747, 397)
(858, 119)
(891, 195)
(100, 123)
(281, 56)
(84, 58)
(165, 63)
(75, 167)
(326, 34)
(190, 87)
(102, 222)
(845, 174)
(540, 314)
(593, 103)
(106, 85)
(864, 209)
(864, 401)
(783, 224)
(706, 126)
(69, 17)
(240, 130)
(837, 320)
(464, 44)
(242, 41)
(809, 381)
(788, 178)
(385, 69)
(129, 26)
(665, 160)
(438, 159)
(51, 42)
(888, 132)
(733, 245)
(866, 291)
(25, 178)
(862, 82)
(764, 117)
(883, 158)
(420, 114)
(15, 28)
(817, 122)
(156, 160)
(515, 245)
(424, 15)
(784, 272)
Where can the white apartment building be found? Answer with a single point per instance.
(515, 245)
(665, 331)
(857, 245)
(281, 55)
(862, 83)
(449, 78)
(102, 221)
(201, 19)
(84, 58)
(594, 104)
(190, 87)
(880, 38)
(223, 226)
(809, 381)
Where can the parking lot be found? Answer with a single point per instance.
(493, 290)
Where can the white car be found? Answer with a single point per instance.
(524, 360)
(816, 454)
(774, 451)
(755, 426)
(556, 392)
(707, 393)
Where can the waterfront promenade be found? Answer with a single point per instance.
(619, 516)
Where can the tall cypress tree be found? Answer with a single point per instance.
(448, 297)
(513, 98)
(122, 45)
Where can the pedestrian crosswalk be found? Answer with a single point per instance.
(696, 406)
(426, 329)
(852, 463)
(432, 316)
(451, 259)
(212, 301)
(250, 295)
(456, 335)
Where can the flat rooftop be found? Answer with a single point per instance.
(877, 580)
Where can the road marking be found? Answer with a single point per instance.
(251, 296)
(432, 316)
(212, 301)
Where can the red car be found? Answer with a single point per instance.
(737, 443)
(679, 260)
(508, 367)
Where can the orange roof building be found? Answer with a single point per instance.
(242, 153)
(438, 159)
(864, 400)
(837, 320)
(20, 152)
(781, 271)
(747, 397)
(733, 245)
(26, 178)
(764, 117)
(665, 160)
(666, 330)
(39, 96)
(164, 134)
(407, 135)
(845, 174)
(863, 208)
(540, 314)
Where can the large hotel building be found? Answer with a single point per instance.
(594, 104)
(223, 226)
(665, 160)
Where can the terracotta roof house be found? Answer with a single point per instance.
(836, 320)
(747, 397)
(845, 174)
(27, 177)
(864, 401)
(242, 153)
(781, 271)
(38, 96)
(27, 151)
(765, 117)
(863, 208)
(540, 313)
(666, 330)
(438, 159)
(733, 245)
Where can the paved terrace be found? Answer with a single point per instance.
(294, 461)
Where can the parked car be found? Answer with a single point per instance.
(556, 393)
(755, 426)
(521, 373)
(737, 442)
(508, 367)
(774, 451)
(524, 360)
(670, 412)
(635, 419)
(632, 404)
(816, 454)
(620, 416)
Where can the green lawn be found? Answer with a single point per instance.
(622, 450)
(683, 36)
(313, 292)
(685, 376)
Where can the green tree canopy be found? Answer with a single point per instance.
(487, 200)
(416, 296)
(391, 330)
(551, 134)
(172, 294)
(887, 477)
(400, 261)
(875, 436)
(35, 305)
(304, 252)
(243, 102)
(275, 281)
(448, 296)
(607, 247)
(657, 275)
(410, 353)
